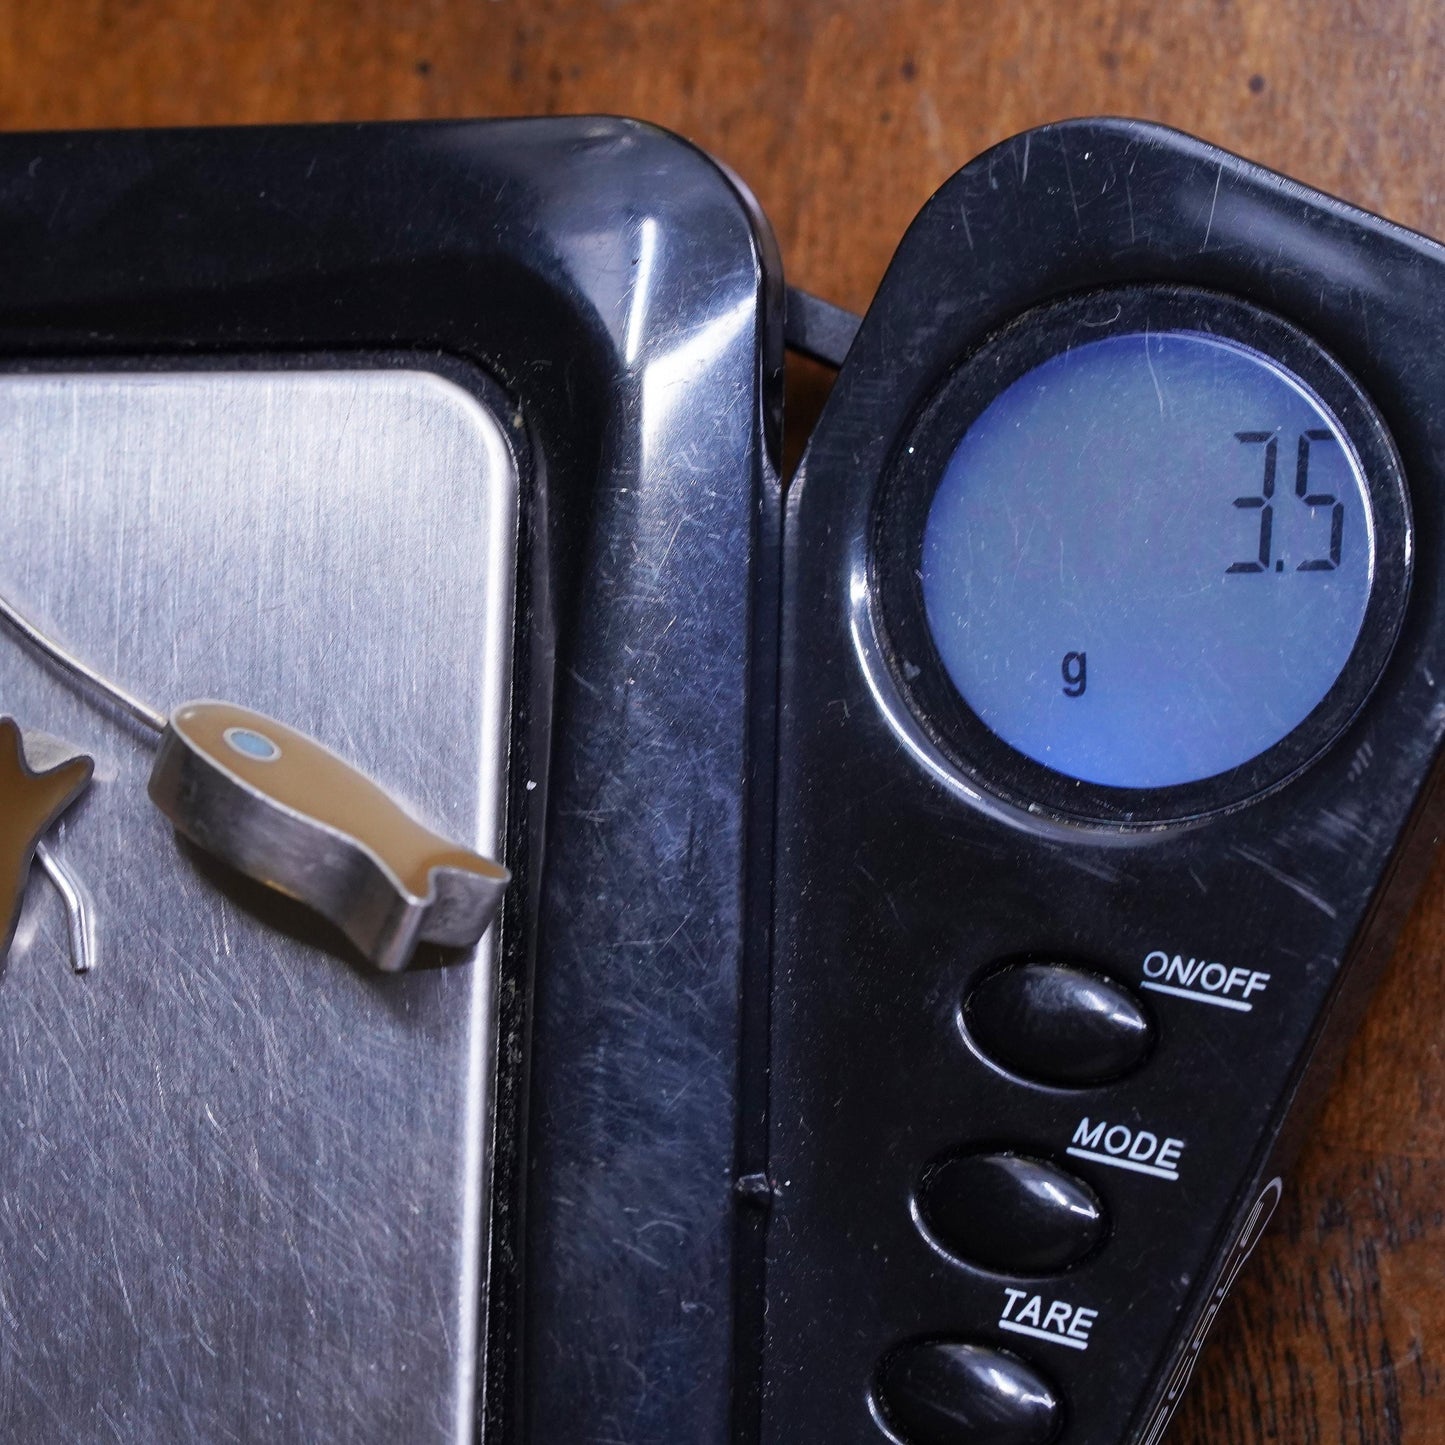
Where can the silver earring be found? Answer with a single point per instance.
(284, 810)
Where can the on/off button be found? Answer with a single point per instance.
(1058, 1023)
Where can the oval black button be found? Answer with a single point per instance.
(945, 1392)
(1058, 1023)
(1010, 1213)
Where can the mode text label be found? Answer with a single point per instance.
(1123, 1147)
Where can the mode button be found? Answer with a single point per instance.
(1010, 1213)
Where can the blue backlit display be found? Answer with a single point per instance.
(1149, 558)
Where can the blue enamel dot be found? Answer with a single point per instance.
(252, 744)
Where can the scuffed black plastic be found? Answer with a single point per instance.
(898, 889)
(623, 293)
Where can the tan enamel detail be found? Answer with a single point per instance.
(29, 804)
(310, 780)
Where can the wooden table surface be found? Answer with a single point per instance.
(843, 117)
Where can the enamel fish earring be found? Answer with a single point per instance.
(39, 779)
(279, 807)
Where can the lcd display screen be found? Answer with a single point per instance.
(1149, 558)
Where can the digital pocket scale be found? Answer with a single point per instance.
(1112, 656)
(901, 1013)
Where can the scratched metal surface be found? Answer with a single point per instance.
(242, 1175)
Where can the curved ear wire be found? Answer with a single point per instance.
(87, 676)
(79, 908)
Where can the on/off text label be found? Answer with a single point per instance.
(1203, 980)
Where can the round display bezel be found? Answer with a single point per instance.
(916, 468)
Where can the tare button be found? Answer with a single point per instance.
(1122, 1146)
(1203, 980)
(955, 1392)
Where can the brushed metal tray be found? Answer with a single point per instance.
(244, 1178)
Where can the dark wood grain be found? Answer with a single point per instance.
(844, 117)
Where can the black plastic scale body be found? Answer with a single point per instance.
(1040, 1049)
(609, 298)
